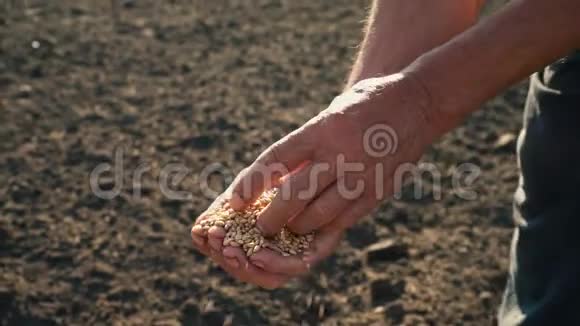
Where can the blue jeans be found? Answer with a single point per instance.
(544, 279)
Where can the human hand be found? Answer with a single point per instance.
(309, 165)
(319, 188)
(234, 261)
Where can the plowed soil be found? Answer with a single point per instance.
(199, 82)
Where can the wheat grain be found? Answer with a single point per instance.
(241, 230)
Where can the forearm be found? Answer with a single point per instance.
(399, 31)
(497, 52)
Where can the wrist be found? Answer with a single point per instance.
(430, 102)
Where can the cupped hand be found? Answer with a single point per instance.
(344, 159)
(266, 268)
(331, 172)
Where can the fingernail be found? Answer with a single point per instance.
(258, 263)
(232, 262)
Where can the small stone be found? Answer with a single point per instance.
(213, 317)
(395, 312)
(190, 313)
(506, 143)
(386, 251)
(24, 90)
(384, 291)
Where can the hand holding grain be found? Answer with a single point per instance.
(291, 165)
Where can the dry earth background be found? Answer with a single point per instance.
(195, 82)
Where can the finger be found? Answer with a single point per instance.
(215, 237)
(232, 268)
(199, 242)
(278, 160)
(327, 238)
(323, 245)
(375, 189)
(202, 248)
(219, 202)
(250, 273)
(235, 253)
(231, 260)
(273, 262)
(198, 235)
(330, 204)
(198, 230)
(361, 207)
(295, 193)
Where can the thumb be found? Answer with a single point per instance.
(275, 162)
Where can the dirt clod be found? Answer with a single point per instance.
(386, 251)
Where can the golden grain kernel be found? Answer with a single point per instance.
(241, 230)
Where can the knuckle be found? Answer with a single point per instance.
(274, 152)
(270, 155)
(320, 208)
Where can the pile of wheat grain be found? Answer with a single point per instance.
(241, 230)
